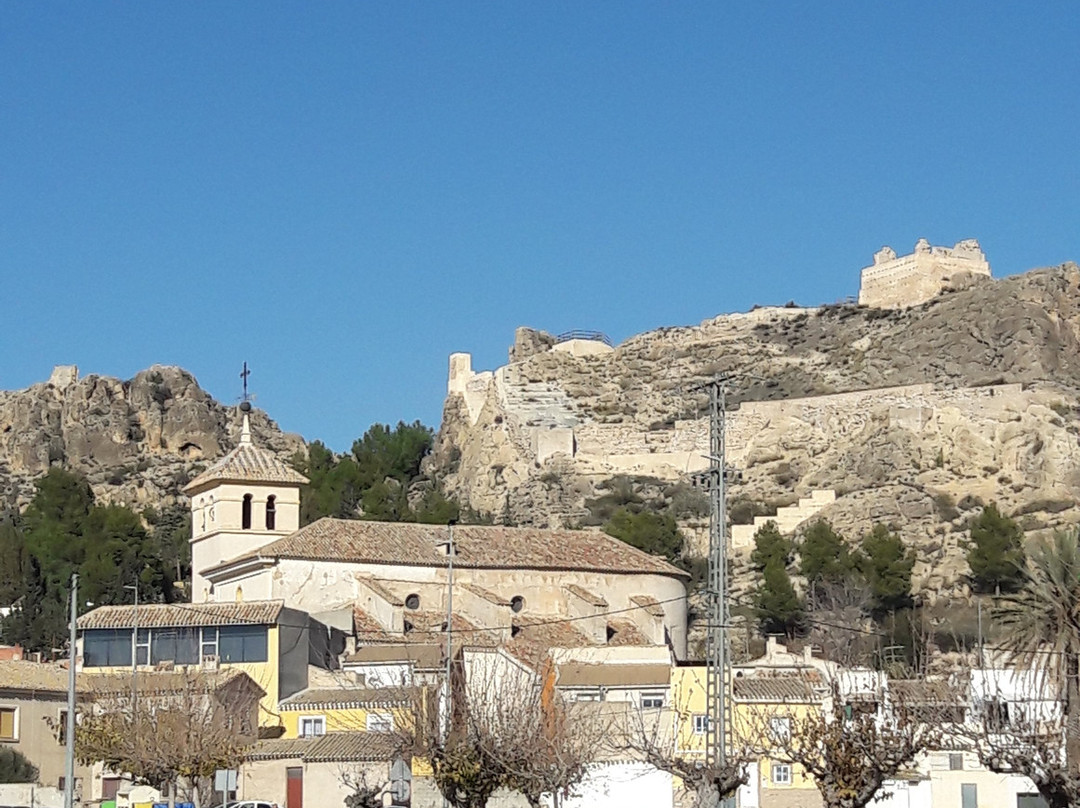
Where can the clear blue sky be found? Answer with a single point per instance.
(342, 194)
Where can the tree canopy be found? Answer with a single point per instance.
(887, 565)
(63, 531)
(996, 552)
(655, 533)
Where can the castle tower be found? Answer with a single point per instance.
(243, 502)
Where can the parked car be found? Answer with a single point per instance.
(252, 804)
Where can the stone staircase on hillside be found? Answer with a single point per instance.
(540, 405)
(787, 518)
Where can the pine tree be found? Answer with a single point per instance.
(778, 607)
(769, 545)
(887, 565)
(996, 552)
(824, 557)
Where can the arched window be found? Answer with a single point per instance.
(245, 513)
(271, 512)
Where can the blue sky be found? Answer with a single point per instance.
(343, 194)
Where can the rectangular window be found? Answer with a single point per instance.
(9, 724)
(142, 647)
(652, 701)
(242, 643)
(312, 725)
(209, 645)
(701, 724)
(178, 645)
(106, 648)
(781, 774)
(956, 761)
(61, 726)
(380, 722)
(588, 695)
(969, 795)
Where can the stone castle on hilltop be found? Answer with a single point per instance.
(893, 283)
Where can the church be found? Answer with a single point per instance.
(390, 582)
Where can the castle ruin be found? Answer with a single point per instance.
(894, 283)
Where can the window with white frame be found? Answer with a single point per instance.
(380, 722)
(312, 725)
(701, 723)
(781, 774)
(652, 701)
(588, 695)
(780, 728)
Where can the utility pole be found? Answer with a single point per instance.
(449, 621)
(716, 641)
(135, 654)
(69, 723)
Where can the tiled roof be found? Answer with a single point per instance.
(350, 697)
(925, 692)
(478, 546)
(377, 586)
(775, 688)
(172, 615)
(625, 632)
(25, 675)
(587, 596)
(532, 639)
(160, 682)
(583, 674)
(424, 627)
(486, 594)
(247, 463)
(423, 656)
(333, 747)
(649, 604)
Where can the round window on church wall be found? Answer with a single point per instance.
(412, 602)
(517, 603)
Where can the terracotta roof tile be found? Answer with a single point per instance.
(625, 632)
(170, 615)
(478, 546)
(246, 463)
(423, 656)
(151, 682)
(586, 595)
(486, 594)
(648, 603)
(775, 688)
(333, 747)
(350, 697)
(532, 639)
(377, 586)
(921, 692)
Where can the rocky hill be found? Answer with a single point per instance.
(911, 416)
(137, 441)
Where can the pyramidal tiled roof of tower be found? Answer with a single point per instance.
(482, 546)
(247, 463)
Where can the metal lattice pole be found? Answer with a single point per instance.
(716, 650)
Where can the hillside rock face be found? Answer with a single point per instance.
(137, 441)
(911, 417)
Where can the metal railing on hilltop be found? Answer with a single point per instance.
(595, 336)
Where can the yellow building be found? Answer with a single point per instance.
(764, 708)
(319, 711)
(760, 705)
(270, 643)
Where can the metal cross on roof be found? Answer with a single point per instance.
(244, 375)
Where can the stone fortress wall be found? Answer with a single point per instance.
(543, 420)
(895, 282)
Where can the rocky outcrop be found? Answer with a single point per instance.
(137, 441)
(909, 415)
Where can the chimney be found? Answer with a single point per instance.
(808, 653)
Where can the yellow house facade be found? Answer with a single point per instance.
(320, 711)
(272, 644)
